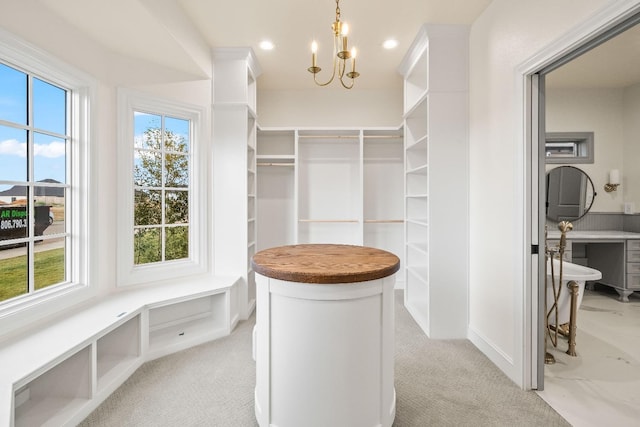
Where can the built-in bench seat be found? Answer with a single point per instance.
(58, 374)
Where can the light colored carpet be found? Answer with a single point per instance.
(438, 383)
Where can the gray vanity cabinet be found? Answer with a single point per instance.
(633, 265)
(612, 253)
(616, 254)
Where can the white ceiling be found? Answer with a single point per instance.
(175, 33)
(142, 29)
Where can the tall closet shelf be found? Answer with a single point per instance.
(420, 170)
(418, 142)
(435, 71)
(417, 106)
(234, 167)
(420, 247)
(421, 273)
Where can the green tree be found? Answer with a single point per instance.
(161, 173)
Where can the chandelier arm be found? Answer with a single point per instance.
(345, 86)
(336, 41)
(326, 83)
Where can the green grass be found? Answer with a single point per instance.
(49, 270)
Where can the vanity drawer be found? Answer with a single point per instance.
(633, 281)
(633, 256)
(633, 268)
(633, 245)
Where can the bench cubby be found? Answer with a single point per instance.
(63, 370)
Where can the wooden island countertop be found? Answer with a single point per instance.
(325, 263)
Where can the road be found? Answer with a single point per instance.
(56, 227)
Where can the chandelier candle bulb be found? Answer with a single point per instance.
(353, 60)
(314, 50)
(345, 31)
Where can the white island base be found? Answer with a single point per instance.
(324, 353)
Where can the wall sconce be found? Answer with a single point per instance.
(614, 181)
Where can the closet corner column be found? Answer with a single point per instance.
(235, 71)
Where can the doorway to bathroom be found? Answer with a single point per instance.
(591, 84)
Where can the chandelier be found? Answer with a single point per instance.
(342, 57)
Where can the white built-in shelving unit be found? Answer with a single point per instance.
(383, 211)
(276, 160)
(234, 168)
(435, 72)
(58, 373)
(329, 187)
(342, 186)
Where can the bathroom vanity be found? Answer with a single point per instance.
(614, 253)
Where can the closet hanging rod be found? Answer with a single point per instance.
(274, 164)
(383, 136)
(384, 221)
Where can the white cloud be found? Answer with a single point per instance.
(51, 150)
(13, 147)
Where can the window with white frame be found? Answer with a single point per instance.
(44, 128)
(34, 188)
(159, 189)
(161, 177)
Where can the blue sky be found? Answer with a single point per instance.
(48, 115)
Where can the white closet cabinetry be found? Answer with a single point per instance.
(276, 188)
(62, 371)
(234, 168)
(436, 179)
(329, 188)
(383, 166)
(340, 186)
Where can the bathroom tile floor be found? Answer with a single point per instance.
(601, 386)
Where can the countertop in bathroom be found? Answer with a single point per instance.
(594, 235)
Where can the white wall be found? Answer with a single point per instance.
(602, 112)
(328, 107)
(631, 176)
(506, 35)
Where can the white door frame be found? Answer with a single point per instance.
(526, 75)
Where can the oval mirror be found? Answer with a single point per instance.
(570, 193)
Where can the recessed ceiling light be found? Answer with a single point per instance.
(266, 45)
(390, 44)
